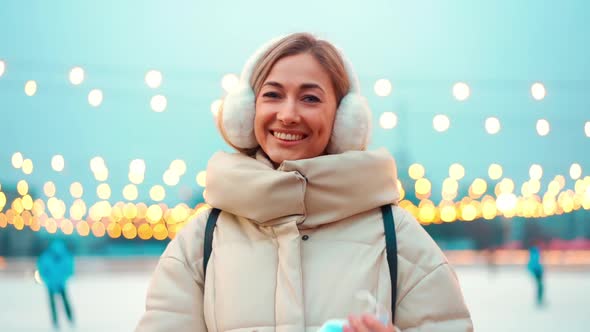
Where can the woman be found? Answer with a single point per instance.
(301, 229)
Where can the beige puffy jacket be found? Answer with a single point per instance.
(292, 247)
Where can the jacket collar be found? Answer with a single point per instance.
(310, 192)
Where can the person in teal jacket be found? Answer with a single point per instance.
(56, 266)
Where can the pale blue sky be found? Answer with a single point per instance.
(423, 47)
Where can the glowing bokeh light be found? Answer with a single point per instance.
(441, 122)
(76, 75)
(461, 91)
(388, 120)
(383, 87)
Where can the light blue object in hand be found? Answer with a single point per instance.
(367, 304)
(333, 325)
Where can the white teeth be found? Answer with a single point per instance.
(287, 137)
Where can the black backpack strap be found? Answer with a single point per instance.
(391, 248)
(208, 243)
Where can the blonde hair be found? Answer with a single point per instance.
(324, 52)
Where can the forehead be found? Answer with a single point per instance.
(299, 69)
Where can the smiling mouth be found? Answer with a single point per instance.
(288, 137)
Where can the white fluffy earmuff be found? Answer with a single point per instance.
(352, 126)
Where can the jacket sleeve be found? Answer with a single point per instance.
(429, 294)
(175, 294)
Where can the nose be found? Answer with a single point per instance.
(288, 113)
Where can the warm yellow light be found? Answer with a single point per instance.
(157, 193)
(78, 209)
(22, 187)
(534, 186)
(461, 91)
(130, 211)
(17, 160)
(553, 188)
(154, 214)
(51, 226)
(129, 231)
(66, 227)
(506, 202)
(158, 103)
(560, 180)
(136, 178)
(536, 172)
(479, 187)
(76, 190)
(17, 205)
(488, 209)
(57, 163)
(201, 178)
(525, 190)
(538, 91)
(18, 222)
(27, 202)
(103, 209)
(450, 185)
(145, 232)
(97, 164)
(469, 212)
(56, 207)
(506, 186)
(575, 171)
(137, 166)
(141, 210)
(180, 213)
(543, 127)
(170, 178)
(49, 189)
(27, 166)
(441, 122)
(30, 88)
(76, 75)
(114, 230)
(229, 82)
(495, 171)
(103, 191)
(2, 200)
(82, 228)
(102, 175)
(426, 213)
(98, 229)
(416, 171)
(160, 232)
(388, 120)
(95, 97)
(448, 213)
(153, 79)
(130, 192)
(178, 166)
(216, 106)
(383, 87)
(492, 125)
(456, 171)
(423, 186)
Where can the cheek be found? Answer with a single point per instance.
(260, 118)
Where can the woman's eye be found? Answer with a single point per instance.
(311, 99)
(271, 95)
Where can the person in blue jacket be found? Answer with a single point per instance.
(535, 267)
(56, 266)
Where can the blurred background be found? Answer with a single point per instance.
(108, 108)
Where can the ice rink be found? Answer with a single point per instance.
(112, 299)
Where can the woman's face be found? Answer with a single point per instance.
(295, 109)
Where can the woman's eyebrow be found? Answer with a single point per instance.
(311, 86)
(303, 86)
